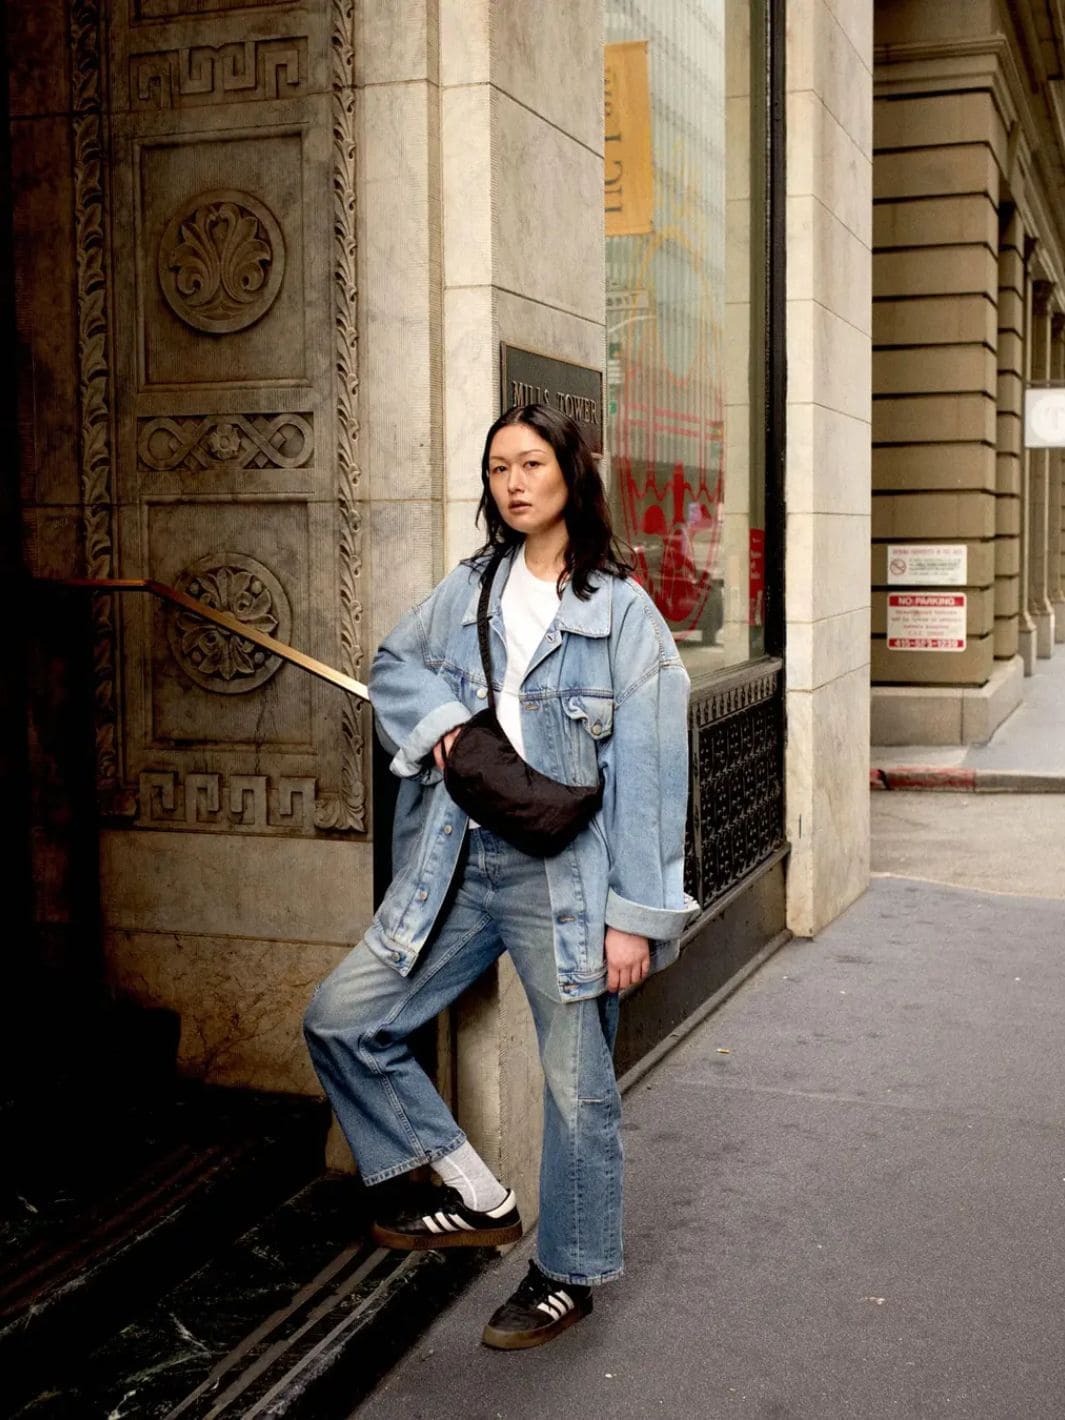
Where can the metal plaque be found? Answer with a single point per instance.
(530, 378)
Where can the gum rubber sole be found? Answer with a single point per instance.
(425, 1242)
(522, 1340)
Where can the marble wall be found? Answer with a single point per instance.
(480, 222)
(521, 141)
(829, 235)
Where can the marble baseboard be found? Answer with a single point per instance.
(946, 715)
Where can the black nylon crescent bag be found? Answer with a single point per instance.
(487, 777)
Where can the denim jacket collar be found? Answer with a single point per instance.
(586, 618)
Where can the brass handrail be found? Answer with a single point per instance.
(220, 618)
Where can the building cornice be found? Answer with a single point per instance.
(956, 66)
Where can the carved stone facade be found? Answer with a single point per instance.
(186, 255)
(214, 207)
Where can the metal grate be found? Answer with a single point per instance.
(736, 792)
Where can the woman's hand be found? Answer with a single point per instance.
(628, 959)
(442, 748)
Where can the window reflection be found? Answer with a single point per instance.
(678, 315)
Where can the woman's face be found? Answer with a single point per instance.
(525, 480)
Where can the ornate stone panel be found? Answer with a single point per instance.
(217, 262)
(221, 262)
(215, 191)
(225, 443)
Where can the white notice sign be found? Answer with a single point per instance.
(927, 564)
(926, 621)
(1044, 418)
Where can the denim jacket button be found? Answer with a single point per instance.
(597, 728)
(422, 895)
(482, 693)
(447, 828)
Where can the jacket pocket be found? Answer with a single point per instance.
(589, 721)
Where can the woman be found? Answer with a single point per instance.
(588, 685)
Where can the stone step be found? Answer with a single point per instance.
(98, 1234)
(298, 1317)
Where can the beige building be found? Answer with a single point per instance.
(969, 310)
(267, 258)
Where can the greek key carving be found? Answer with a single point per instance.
(225, 443)
(221, 262)
(226, 73)
(346, 810)
(213, 657)
(226, 803)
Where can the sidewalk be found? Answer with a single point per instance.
(845, 1195)
(1026, 754)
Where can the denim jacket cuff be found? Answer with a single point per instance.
(656, 923)
(429, 729)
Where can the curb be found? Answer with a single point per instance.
(971, 781)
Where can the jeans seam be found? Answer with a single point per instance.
(575, 1144)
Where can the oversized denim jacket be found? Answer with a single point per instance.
(605, 692)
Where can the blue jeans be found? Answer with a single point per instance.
(359, 1023)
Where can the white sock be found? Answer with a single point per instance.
(466, 1171)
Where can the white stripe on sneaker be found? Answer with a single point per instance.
(556, 1305)
(431, 1225)
(507, 1204)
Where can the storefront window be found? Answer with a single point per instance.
(685, 473)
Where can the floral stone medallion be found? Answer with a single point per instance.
(221, 262)
(213, 657)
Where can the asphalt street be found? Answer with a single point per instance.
(846, 1189)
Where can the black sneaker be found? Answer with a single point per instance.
(537, 1312)
(437, 1217)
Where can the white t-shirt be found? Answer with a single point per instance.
(529, 605)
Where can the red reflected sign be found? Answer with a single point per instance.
(675, 531)
(756, 614)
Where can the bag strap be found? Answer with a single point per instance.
(482, 623)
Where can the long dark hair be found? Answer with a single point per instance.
(591, 545)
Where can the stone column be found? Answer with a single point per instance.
(1056, 535)
(937, 175)
(829, 216)
(1026, 628)
(1039, 605)
(521, 143)
(1009, 427)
